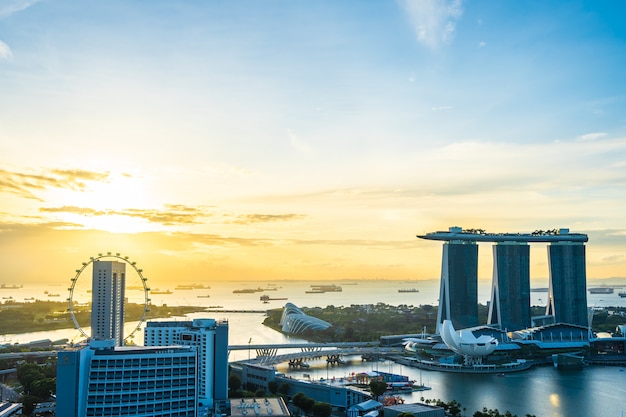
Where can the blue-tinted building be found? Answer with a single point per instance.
(509, 308)
(567, 291)
(458, 292)
(510, 296)
(209, 338)
(101, 379)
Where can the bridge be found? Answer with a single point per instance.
(267, 354)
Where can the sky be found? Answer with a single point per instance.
(264, 140)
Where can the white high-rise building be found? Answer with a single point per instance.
(107, 303)
(210, 339)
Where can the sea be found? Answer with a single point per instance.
(540, 391)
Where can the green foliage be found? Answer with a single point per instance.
(378, 388)
(321, 409)
(29, 402)
(272, 386)
(234, 383)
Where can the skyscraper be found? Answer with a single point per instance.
(568, 283)
(107, 305)
(510, 294)
(210, 339)
(510, 291)
(458, 293)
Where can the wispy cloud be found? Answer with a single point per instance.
(591, 136)
(8, 7)
(27, 184)
(169, 215)
(434, 21)
(267, 218)
(5, 51)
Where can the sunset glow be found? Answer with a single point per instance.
(234, 141)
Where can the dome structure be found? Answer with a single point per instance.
(294, 320)
(465, 343)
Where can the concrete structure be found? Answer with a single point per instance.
(104, 380)
(107, 304)
(509, 306)
(337, 394)
(510, 291)
(210, 340)
(458, 292)
(567, 292)
(417, 409)
(259, 407)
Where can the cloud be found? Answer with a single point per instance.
(267, 218)
(8, 7)
(434, 21)
(591, 136)
(170, 215)
(27, 184)
(5, 51)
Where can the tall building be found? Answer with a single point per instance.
(567, 292)
(458, 292)
(107, 305)
(509, 308)
(104, 380)
(210, 339)
(510, 305)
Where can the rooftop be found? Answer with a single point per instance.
(456, 233)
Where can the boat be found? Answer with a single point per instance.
(266, 298)
(157, 291)
(622, 294)
(568, 361)
(601, 290)
(204, 296)
(408, 290)
(53, 295)
(248, 290)
(542, 289)
(11, 287)
(7, 298)
(319, 289)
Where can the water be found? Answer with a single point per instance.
(543, 391)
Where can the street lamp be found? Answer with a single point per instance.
(249, 341)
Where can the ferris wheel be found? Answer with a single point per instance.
(144, 287)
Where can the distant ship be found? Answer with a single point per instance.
(157, 291)
(10, 287)
(320, 289)
(266, 298)
(193, 287)
(622, 294)
(204, 296)
(248, 290)
(542, 289)
(601, 290)
(408, 290)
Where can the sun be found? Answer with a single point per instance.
(115, 205)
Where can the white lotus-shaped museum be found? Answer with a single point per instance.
(465, 343)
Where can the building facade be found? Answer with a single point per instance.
(210, 340)
(107, 303)
(510, 295)
(101, 379)
(509, 308)
(458, 292)
(567, 291)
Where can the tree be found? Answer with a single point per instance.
(298, 399)
(272, 386)
(284, 388)
(321, 409)
(307, 405)
(378, 388)
(29, 402)
(234, 383)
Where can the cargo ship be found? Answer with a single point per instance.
(601, 290)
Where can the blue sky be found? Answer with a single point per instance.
(309, 138)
